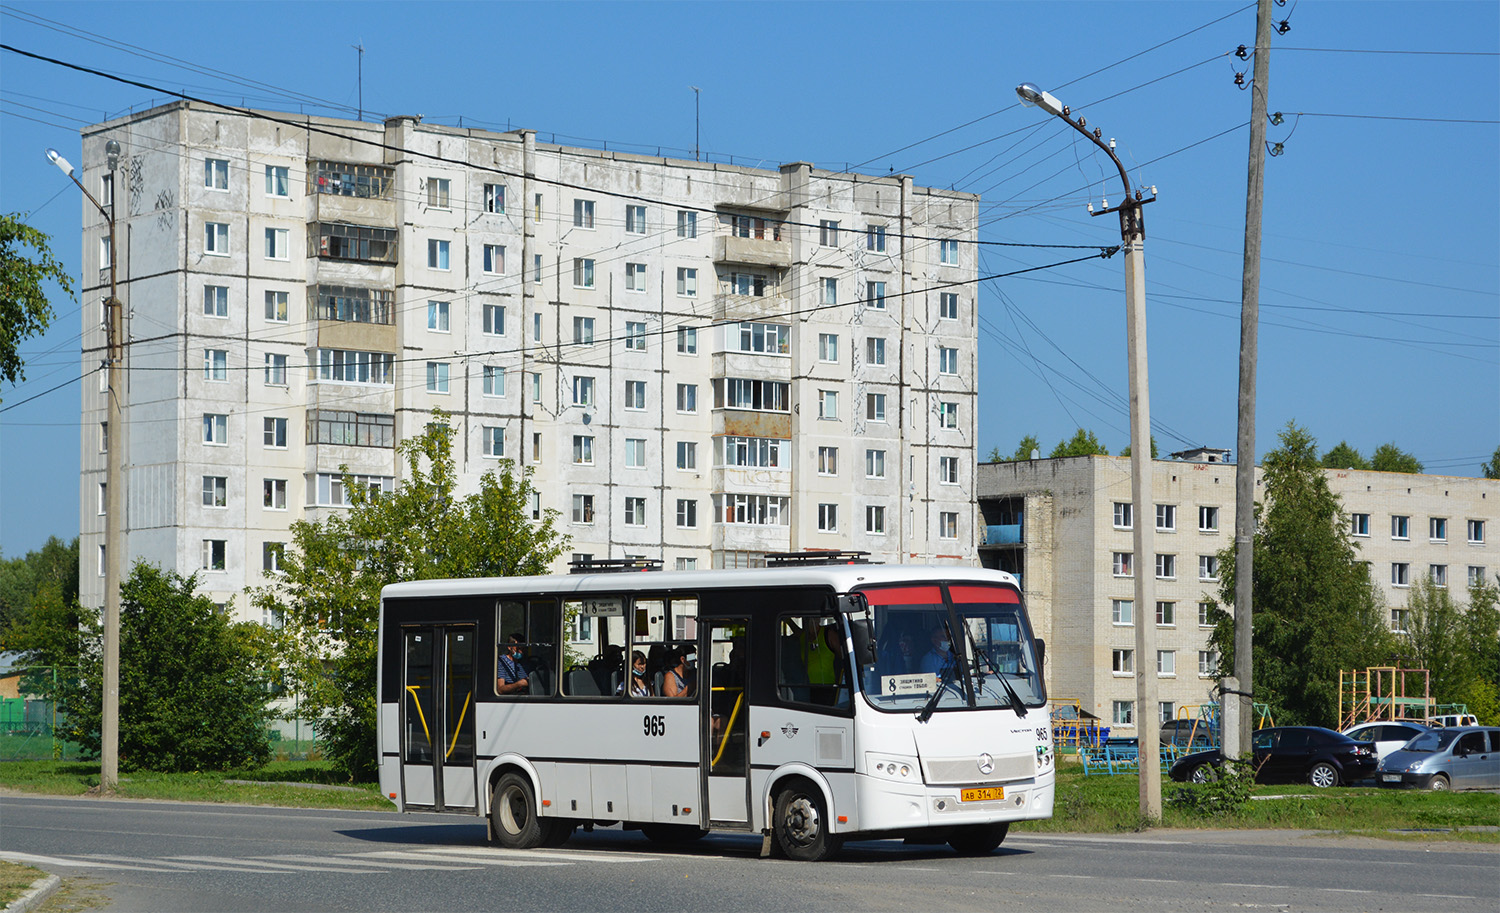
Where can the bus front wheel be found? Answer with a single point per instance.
(800, 823)
(513, 814)
(978, 839)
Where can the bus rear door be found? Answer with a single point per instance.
(437, 717)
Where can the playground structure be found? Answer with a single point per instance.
(1381, 694)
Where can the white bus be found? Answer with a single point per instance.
(806, 704)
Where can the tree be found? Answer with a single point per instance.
(49, 573)
(1491, 470)
(1390, 458)
(1083, 443)
(328, 590)
(1126, 451)
(1315, 610)
(24, 310)
(1344, 457)
(190, 695)
(1024, 449)
(1436, 640)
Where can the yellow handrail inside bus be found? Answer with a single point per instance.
(420, 715)
(456, 726)
(728, 727)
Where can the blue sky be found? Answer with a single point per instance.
(1381, 280)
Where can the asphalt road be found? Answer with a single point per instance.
(166, 856)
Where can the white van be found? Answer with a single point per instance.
(1452, 720)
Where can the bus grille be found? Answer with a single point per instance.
(966, 769)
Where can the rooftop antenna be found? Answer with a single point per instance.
(361, 49)
(697, 94)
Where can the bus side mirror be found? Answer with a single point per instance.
(864, 645)
(1041, 656)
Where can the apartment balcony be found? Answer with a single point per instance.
(751, 307)
(749, 423)
(752, 251)
(1001, 534)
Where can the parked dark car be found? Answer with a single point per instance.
(1289, 754)
(1190, 733)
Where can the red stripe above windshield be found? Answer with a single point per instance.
(904, 595)
(969, 595)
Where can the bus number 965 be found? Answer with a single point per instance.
(654, 725)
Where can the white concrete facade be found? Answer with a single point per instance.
(643, 334)
(1058, 525)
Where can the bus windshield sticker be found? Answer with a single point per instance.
(911, 683)
(602, 606)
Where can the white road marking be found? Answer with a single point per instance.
(385, 864)
(408, 855)
(545, 855)
(243, 863)
(64, 862)
(1346, 890)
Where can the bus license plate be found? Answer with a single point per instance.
(984, 794)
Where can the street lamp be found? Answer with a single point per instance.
(1133, 240)
(114, 506)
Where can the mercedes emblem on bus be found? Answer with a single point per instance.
(986, 764)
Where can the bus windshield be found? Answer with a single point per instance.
(949, 647)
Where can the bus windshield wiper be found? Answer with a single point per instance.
(1016, 704)
(943, 682)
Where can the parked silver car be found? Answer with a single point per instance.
(1466, 758)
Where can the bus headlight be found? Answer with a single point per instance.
(893, 767)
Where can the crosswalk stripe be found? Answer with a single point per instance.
(242, 863)
(429, 856)
(137, 860)
(336, 861)
(65, 862)
(544, 855)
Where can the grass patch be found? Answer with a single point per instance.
(15, 879)
(1103, 804)
(76, 778)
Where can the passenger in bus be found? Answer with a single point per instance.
(639, 686)
(511, 676)
(939, 660)
(678, 681)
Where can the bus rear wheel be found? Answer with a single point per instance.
(800, 823)
(978, 839)
(513, 815)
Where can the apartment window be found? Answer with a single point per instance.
(1122, 713)
(1166, 662)
(437, 254)
(583, 449)
(494, 320)
(947, 305)
(583, 213)
(948, 470)
(1122, 515)
(828, 233)
(216, 239)
(107, 189)
(687, 455)
(1122, 662)
(947, 415)
(494, 441)
(536, 207)
(948, 524)
(875, 238)
(354, 429)
(1399, 619)
(583, 391)
(104, 437)
(687, 514)
(536, 269)
(437, 316)
(875, 350)
(1476, 532)
(828, 518)
(215, 491)
(1400, 527)
(875, 295)
(438, 193)
(1437, 529)
(687, 224)
(102, 504)
(536, 446)
(343, 179)
(216, 174)
(1205, 614)
(536, 387)
(635, 394)
(583, 331)
(536, 505)
(1123, 564)
(270, 556)
(635, 277)
(1166, 567)
(273, 432)
(437, 377)
(750, 285)
(214, 551)
(1208, 519)
(687, 397)
(875, 519)
(215, 301)
(764, 338)
(278, 247)
(759, 452)
(494, 380)
(1166, 614)
(874, 464)
(687, 282)
(583, 272)
(275, 370)
(347, 367)
(536, 327)
(494, 197)
(327, 489)
(215, 364)
(494, 259)
(948, 252)
(1476, 574)
(947, 360)
(273, 494)
(1166, 518)
(875, 407)
(687, 341)
(752, 510)
(1438, 573)
(635, 335)
(1208, 567)
(828, 404)
(1208, 663)
(828, 461)
(1400, 573)
(276, 306)
(583, 508)
(1122, 611)
(830, 292)
(352, 304)
(1359, 524)
(828, 347)
(635, 219)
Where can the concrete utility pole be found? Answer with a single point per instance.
(1143, 512)
(114, 484)
(1237, 740)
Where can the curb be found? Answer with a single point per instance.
(39, 891)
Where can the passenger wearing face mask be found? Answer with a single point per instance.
(940, 659)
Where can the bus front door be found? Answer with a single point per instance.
(437, 717)
(726, 724)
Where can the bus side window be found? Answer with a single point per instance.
(810, 663)
(536, 623)
(596, 652)
(648, 636)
